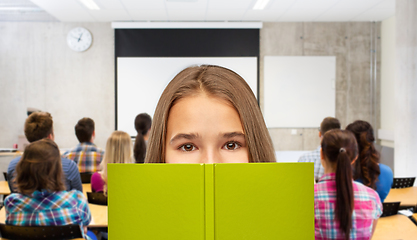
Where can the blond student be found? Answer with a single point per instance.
(208, 114)
(118, 150)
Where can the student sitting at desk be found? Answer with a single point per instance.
(208, 114)
(39, 125)
(367, 169)
(343, 209)
(118, 150)
(42, 199)
(86, 154)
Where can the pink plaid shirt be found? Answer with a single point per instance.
(367, 207)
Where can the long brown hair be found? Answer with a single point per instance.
(221, 83)
(367, 166)
(340, 149)
(40, 168)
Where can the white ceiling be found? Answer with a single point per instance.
(22, 10)
(220, 10)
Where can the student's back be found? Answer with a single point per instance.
(343, 209)
(367, 169)
(42, 199)
(39, 125)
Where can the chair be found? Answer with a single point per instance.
(86, 177)
(41, 232)
(403, 182)
(97, 198)
(390, 208)
(5, 176)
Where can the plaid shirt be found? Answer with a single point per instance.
(87, 156)
(314, 156)
(47, 209)
(367, 207)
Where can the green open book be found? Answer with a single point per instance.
(249, 201)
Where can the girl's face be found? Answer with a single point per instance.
(203, 129)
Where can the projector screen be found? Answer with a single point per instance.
(141, 81)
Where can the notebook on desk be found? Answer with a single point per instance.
(211, 201)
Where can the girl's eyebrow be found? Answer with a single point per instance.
(233, 134)
(188, 136)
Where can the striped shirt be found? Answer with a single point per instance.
(45, 208)
(314, 157)
(367, 208)
(87, 156)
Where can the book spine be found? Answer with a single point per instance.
(209, 201)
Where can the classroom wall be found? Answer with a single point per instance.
(388, 78)
(39, 70)
(350, 43)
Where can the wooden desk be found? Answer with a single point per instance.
(98, 214)
(395, 227)
(86, 188)
(4, 188)
(407, 196)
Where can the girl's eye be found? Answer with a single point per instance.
(231, 146)
(187, 147)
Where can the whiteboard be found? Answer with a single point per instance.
(141, 81)
(299, 91)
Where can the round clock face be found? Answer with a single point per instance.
(79, 39)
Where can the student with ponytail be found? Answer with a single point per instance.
(344, 209)
(367, 168)
(143, 123)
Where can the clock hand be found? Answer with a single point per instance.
(80, 37)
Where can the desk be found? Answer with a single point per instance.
(98, 214)
(395, 227)
(4, 188)
(407, 196)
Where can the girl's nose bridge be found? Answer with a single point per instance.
(211, 156)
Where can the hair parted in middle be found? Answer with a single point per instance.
(40, 168)
(118, 150)
(84, 129)
(222, 83)
(340, 150)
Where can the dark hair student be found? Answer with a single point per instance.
(143, 123)
(353, 201)
(367, 168)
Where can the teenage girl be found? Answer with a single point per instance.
(367, 168)
(344, 209)
(42, 199)
(208, 114)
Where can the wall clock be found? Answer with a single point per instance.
(79, 39)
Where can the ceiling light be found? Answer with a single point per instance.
(260, 4)
(90, 4)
